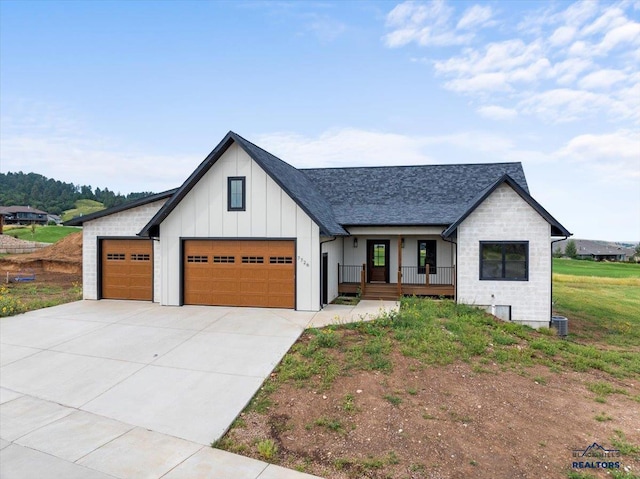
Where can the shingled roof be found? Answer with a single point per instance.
(407, 195)
(336, 198)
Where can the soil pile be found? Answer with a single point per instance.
(65, 256)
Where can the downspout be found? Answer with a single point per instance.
(551, 279)
(455, 286)
(333, 238)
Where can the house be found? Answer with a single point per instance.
(248, 229)
(22, 215)
(599, 250)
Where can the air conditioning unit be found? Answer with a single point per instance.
(561, 324)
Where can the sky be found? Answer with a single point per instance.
(133, 95)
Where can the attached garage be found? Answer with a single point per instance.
(126, 269)
(259, 273)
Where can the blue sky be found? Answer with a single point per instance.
(133, 95)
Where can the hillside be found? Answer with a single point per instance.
(54, 196)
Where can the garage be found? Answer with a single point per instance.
(127, 269)
(239, 273)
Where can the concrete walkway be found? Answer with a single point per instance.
(124, 389)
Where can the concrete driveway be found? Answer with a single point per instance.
(126, 389)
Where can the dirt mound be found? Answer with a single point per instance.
(64, 256)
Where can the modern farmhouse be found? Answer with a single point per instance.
(248, 229)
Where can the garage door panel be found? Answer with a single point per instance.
(240, 273)
(127, 269)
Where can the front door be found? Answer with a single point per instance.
(378, 261)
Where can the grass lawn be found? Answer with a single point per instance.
(601, 300)
(83, 207)
(596, 268)
(43, 234)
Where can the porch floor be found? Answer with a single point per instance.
(389, 291)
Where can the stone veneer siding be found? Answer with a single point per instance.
(505, 216)
(126, 223)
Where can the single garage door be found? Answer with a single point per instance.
(127, 269)
(239, 273)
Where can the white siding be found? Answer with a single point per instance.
(270, 213)
(334, 252)
(126, 223)
(505, 216)
(358, 256)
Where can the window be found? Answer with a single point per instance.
(281, 260)
(379, 254)
(224, 259)
(197, 259)
(140, 257)
(504, 260)
(253, 259)
(427, 255)
(115, 257)
(236, 193)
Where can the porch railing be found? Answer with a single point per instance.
(442, 275)
(349, 273)
(413, 275)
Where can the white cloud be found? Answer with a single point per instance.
(496, 112)
(564, 63)
(475, 16)
(615, 155)
(426, 24)
(562, 36)
(601, 79)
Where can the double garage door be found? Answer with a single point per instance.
(239, 273)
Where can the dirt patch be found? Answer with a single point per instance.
(445, 422)
(64, 256)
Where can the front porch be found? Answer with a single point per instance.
(410, 280)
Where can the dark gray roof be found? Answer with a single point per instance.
(407, 195)
(5, 210)
(290, 179)
(556, 228)
(79, 220)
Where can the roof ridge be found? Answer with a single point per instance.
(411, 166)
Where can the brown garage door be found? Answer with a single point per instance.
(239, 273)
(127, 269)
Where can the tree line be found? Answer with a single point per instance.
(53, 196)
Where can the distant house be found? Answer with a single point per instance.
(23, 215)
(599, 250)
(54, 218)
(248, 229)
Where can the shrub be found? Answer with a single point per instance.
(8, 304)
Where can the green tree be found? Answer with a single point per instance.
(570, 250)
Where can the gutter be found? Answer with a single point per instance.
(551, 278)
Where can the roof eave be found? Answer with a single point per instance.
(80, 220)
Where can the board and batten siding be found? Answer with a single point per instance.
(127, 223)
(333, 248)
(270, 213)
(505, 216)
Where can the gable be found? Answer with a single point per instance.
(506, 181)
(203, 211)
(288, 178)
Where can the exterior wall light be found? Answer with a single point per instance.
(355, 242)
